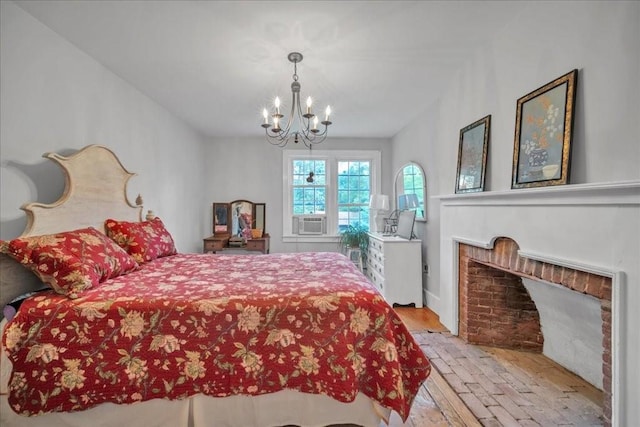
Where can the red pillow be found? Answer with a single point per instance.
(72, 261)
(144, 241)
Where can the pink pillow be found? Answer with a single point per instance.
(144, 241)
(72, 261)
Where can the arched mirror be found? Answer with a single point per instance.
(410, 190)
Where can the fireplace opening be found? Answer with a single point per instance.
(513, 302)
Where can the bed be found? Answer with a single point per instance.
(139, 334)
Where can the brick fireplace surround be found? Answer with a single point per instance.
(496, 310)
(562, 232)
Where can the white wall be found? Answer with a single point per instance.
(251, 169)
(419, 142)
(57, 98)
(601, 40)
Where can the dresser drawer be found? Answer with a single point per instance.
(375, 265)
(376, 255)
(377, 280)
(255, 245)
(211, 245)
(376, 245)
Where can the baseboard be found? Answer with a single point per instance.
(432, 302)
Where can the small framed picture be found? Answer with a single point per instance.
(472, 156)
(544, 129)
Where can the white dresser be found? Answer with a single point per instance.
(394, 265)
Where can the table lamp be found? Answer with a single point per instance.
(408, 201)
(379, 203)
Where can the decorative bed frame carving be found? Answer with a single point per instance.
(95, 189)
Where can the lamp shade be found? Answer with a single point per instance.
(379, 202)
(408, 201)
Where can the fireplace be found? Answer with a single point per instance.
(496, 309)
(580, 238)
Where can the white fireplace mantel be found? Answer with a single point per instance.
(620, 193)
(590, 227)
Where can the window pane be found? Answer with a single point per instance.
(413, 183)
(308, 191)
(362, 197)
(352, 216)
(343, 197)
(354, 190)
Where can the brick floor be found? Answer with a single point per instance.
(512, 388)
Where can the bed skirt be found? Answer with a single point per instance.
(286, 407)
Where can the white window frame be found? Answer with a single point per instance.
(332, 157)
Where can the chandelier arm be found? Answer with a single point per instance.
(280, 139)
(274, 140)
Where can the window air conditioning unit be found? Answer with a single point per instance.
(309, 224)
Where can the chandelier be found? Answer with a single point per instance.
(299, 126)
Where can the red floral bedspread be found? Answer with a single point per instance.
(217, 325)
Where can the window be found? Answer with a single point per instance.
(336, 184)
(354, 190)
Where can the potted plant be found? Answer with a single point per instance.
(355, 236)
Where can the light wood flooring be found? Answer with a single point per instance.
(484, 386)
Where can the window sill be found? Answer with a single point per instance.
(309, 238)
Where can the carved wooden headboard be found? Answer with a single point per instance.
(95, 190)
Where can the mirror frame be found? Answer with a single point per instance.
(252, 208)
(397, 182)
(220, 209)
(258, 214)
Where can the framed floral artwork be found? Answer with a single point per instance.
(472, 156)
(544, 128)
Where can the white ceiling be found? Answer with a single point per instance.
(216, 64)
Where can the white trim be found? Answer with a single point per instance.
(310, 239)
(614, 193)
(562, 262)
(472, 242)
(432, 301)
(455, 289)
(618, 295)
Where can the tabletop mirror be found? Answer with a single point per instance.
(238, 216)
(409, 190)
